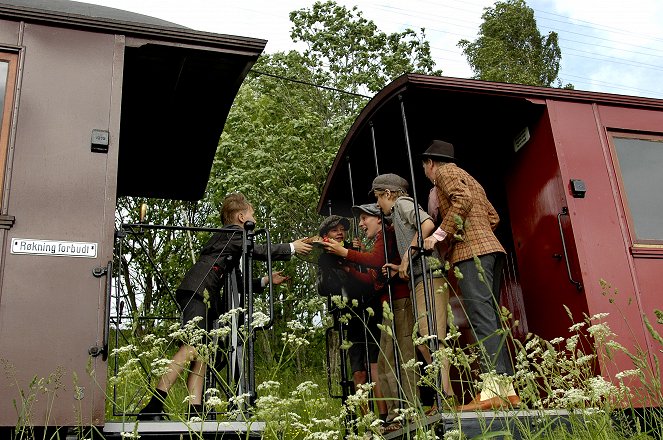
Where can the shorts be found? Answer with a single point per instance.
(193, 306)
(357, 335)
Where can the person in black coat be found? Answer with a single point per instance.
(199, 296)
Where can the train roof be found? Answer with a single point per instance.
(437, 108)
(177, 89)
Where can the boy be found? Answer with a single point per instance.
(199, 296)
(460, 196)
(333, 279)
(391, 193)
(370, 222)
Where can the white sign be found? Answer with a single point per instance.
(54, 248)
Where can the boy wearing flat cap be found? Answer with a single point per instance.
(333, 279)
(467, 222)
(392, 197)
(383, 370)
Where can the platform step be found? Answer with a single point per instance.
(472, 424)
(177, 430)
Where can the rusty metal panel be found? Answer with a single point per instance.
(51, 306)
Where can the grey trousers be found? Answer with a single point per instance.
(481, 301)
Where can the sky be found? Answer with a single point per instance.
(612, 46)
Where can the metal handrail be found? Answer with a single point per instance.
(578, 284)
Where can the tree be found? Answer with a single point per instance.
(152, 262)
(352, 54)
(511, 49)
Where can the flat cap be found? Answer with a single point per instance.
(331, 222)
(440, 151)
(369, 208)
(389, 181)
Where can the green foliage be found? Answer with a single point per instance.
(353, 52)
(511, 49)
(152, 262)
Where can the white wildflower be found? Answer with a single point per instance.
(412, 364)
(577, 326)
(600, 331)
(260, 319)
(598, 316)
(627, 373)
(214, 401)
(269, 385)
(125, 349)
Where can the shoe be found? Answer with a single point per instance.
(153, 411)
(151, 417)
(390, 427)
(491, 403)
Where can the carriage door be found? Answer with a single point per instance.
(542, 234)
(60, 189)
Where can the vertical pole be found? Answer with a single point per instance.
(375, 151)
(248, 289)
(338, 323)
(397, 364)
(428, 298)
(362, 309)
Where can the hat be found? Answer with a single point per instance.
(389, 181)
(440, 151)
(331, 222)
(369, 208)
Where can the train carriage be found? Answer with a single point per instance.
(573, 175)
(96, 103)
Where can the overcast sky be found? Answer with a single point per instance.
(613, 46)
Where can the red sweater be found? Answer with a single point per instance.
(374, 260)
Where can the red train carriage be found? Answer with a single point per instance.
(575, 177)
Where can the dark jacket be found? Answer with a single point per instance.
(332, 279)
(219, 255)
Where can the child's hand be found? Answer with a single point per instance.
(357, 244)
(302, 248)
(403, 271)
(277, 278)
(388, 268)
(334, 247)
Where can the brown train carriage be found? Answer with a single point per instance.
(96, 103)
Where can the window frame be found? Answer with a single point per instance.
(644, 247)
(11, 58)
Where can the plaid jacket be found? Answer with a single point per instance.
(462, 197)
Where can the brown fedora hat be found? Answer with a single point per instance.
(439, 150)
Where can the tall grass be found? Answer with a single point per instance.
(560, 373)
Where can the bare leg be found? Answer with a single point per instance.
(195, 382)
(184, 355)
(359, 377)
(377, 391)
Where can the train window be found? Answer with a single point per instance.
(640, 160)
(8, 63)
